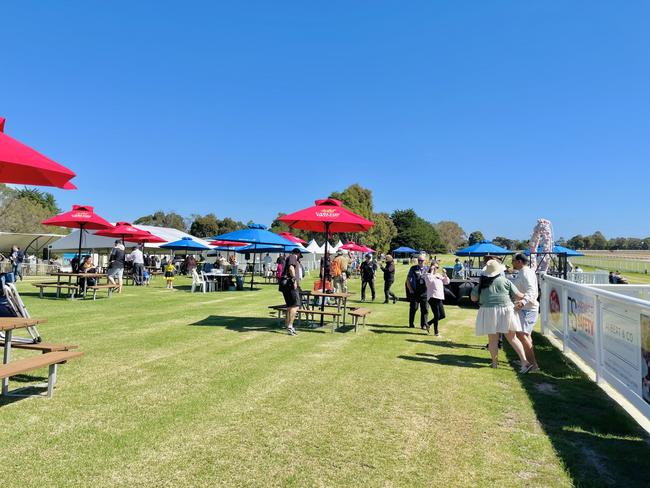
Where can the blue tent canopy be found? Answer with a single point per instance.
(255, 234)
(405, 249)
(263, 248)
(484, 248)
(186, 244)
(557, 249)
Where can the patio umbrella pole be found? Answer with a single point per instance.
(324, 278)
(81, 234)
(253, 272)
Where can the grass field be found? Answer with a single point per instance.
(193, 390)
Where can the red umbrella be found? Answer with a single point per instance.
(353, 246)
(147, 237)
(289, 236)
(22, 165)
(125, 231)
(327, 216)
(81, 217)
(220, 243)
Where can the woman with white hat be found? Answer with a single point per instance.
(497, 313)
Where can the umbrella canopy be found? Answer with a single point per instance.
(405, 250)
(254, 234)
(227, 244)
(327, 215)
(147, 237)
(125, 231)
(353, 246)
(264, 248)
(292, 238)
(557, 249)
(186, 244)
(82, 217)
(484, 248)
(20, 164)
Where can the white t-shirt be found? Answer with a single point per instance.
(526, 283)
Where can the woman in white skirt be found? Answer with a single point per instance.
(497, 313)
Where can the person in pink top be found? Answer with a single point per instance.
(436, 295)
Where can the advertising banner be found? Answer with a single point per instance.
(645, 356)
(555, 312)
(621, 345)
(581, 311)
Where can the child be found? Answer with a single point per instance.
(170, 270)
(146, 277)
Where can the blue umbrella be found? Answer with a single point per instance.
(483, 248)
(186, 244)
(405, 249)
(257, 235)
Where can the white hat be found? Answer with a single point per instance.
(493, 268)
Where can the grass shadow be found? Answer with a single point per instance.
(249, 324)
(448, 344)
(414, 331)
(461, 360)
(598, 442)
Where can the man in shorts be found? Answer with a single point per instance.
(292, 271)
(527, 307)
(116, 265)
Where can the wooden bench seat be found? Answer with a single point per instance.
(108, 286)
(50, 359)
(358, 313)
(44, 347)
(71, 287)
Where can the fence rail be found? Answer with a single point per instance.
(608, 328)
(613, 263)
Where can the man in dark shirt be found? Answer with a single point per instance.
(416, 291)
(290, 286)
(116, 265)
(389, 278)
(368, 269)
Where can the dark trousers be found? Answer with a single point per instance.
(438, 312)
(387, 292)
(138, 273)
(420, 301)
(363, 289)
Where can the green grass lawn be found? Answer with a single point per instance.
(187, 390)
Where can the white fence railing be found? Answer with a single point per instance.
(589, 278)
(614, 263)
(608, 330)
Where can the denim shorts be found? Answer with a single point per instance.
(528, 319)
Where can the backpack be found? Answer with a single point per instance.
(20, 256)
(335, 268)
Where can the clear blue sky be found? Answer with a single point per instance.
(490, 113)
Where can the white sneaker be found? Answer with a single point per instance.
(292, 331)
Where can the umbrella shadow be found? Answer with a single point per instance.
(408, 331)
(247, 324)
(448, 344)
(461, 360)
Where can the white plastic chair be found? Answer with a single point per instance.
(197, 281)
(209, 283)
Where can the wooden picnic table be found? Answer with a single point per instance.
(8, 325)
(341, 299)
(60, 274)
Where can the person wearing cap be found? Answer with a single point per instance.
(389, 278)
(290, 287)
(527, 307)
(339, 270)
(368, 269)
(416, 292)
(436, 295)
(495, 294)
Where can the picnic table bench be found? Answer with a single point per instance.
(336, 315)
(50, 357)
(359, 313)
(70, 287)
(108, 287)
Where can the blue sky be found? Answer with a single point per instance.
(488, 113)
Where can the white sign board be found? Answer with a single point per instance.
(621, 343)
(581, 313)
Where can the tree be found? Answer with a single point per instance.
(44, 199)
(357, 199)
(576, 242)
(204, 226)
(451, 234)
(413, 231)
(24, 215)
(598, 240)
(162, 219)
(475, 237)
(228, 225)
(503, 242)
(381, 234)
